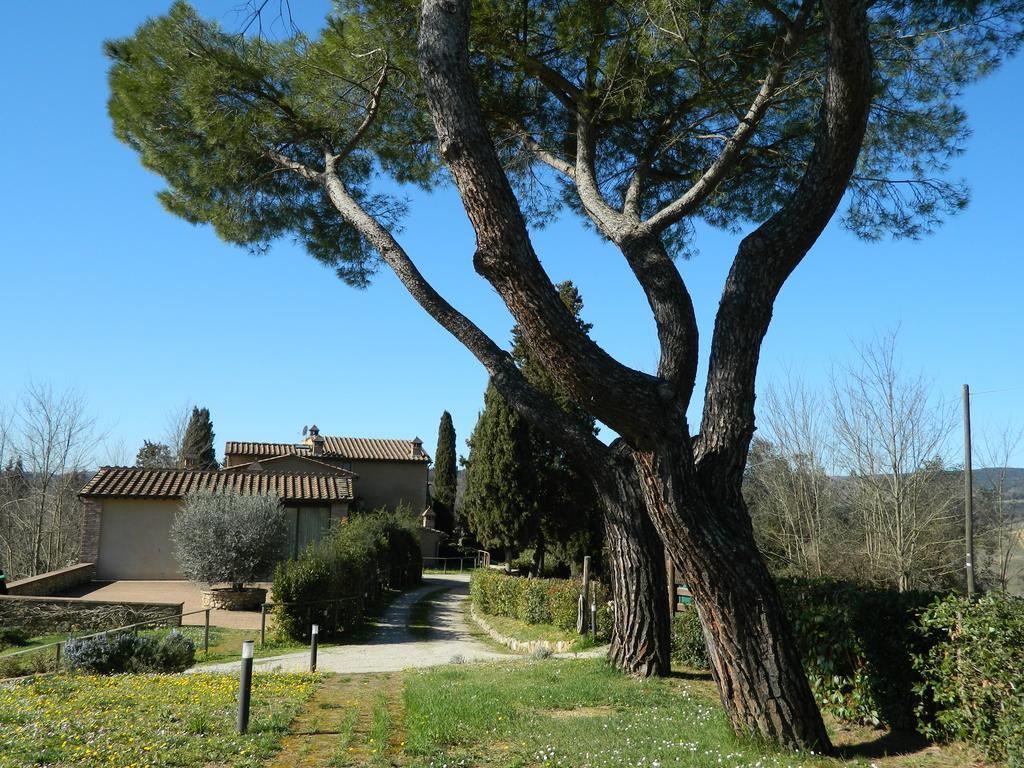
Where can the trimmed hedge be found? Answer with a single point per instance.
(357, 561)
(537, 601)
(858, 645)
(688, 646)
(972, 686)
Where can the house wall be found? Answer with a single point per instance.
(135, 540)
(390, 483)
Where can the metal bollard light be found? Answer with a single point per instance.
(593, 620)
(314, 635)
(245, 686)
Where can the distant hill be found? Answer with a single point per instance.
(1013, 486)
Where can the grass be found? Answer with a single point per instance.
(585, 715)
(144, 720)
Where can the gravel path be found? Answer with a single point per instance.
(393, 648)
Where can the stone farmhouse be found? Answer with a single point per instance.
(320, 481)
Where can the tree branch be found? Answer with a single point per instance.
(625, 399)
(768, 255)
(533, 404)
(741, 136)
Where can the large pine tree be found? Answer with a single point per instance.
(197, 447)
(445, 474)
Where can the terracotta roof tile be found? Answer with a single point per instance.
(135, 482)
(357, 448)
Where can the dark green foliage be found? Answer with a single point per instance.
(210, 111)
(500, 504)
(688, 646)
(973, 674)
(197, 450)
(568, 514)
(537, 601)
(13, 636)
(858, 645)
(110, 654)
(176, 653)
(357, 561)
(521, 489)
(445, 474)
(663, 96)
(154, 456)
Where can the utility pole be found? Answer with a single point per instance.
(968, 493)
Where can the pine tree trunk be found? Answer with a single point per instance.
(753, 652)
(640, 644)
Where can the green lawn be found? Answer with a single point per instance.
(144, 720)
(585, 715)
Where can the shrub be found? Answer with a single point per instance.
(176, 653)
(972, 686)
(858, 644)
(356, 561)
(13, 636)
(109, 654)
(688, 646)
(537, 601)
(227, 537)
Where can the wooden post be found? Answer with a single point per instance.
(671, 568)
(586, 593)
(968, 493)
(206, 633)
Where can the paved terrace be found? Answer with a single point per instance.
(167, 592)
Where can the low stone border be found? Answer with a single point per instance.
(520, 646)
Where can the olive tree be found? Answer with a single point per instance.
(640, 118)
(228, 537)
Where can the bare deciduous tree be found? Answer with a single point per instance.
(176, 424)
(49, 441)
(892, 439)
(789, 484)
(999, 528)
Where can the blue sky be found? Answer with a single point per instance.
(105, 292)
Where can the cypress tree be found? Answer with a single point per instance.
(500, 500)
(445, 474)
(556, 502)
(197, 447)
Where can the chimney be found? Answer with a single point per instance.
(417, 448)
(316, 441)
(429, 518)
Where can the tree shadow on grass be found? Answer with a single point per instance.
(884, 744)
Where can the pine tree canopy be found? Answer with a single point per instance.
(690, 110)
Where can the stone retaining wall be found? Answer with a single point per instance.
(53, 615)
(520, 646)
(54, 582)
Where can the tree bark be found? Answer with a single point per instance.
(753, 652)
(641, 634)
